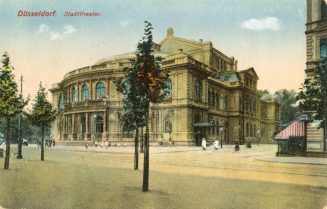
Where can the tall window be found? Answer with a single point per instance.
(209, 98)
(99, 90)
(323, 10)
(198, 90)
(61, 103)
(98, 124)
(323, 48)
(83, 123)
(85, 92)
(74, 95)
(169, 87)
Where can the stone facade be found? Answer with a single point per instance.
(316, 34)
(206, 90)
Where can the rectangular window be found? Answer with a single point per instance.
(323, 48)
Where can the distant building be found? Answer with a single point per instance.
(316, 34)
(208, 97)
(303, 136)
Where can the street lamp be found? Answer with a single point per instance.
(221, 129)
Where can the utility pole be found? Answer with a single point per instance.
(19, 154)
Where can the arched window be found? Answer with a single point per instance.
(198, 90)
(85, 92)
(98, 124)
(61, 103)
(169, 88)
(74, 95)
(99, 90)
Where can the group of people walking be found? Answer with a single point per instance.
(100, 144)
(216, 145)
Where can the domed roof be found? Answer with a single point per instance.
(129, 55)
(125, 56)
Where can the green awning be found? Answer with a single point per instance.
(203, 125)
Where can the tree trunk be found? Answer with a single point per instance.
(42, 142)
(8, 139)
(136, 153)
(142, 141)
(146, 156)
(19, 153)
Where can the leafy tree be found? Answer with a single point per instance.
(313, 96)
(287, 99)
(144, 83)
(42, 114)
(263, 92)
(10, 101)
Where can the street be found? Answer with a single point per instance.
(180, 177)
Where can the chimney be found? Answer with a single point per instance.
(170, 32)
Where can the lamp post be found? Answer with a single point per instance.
(221, 136)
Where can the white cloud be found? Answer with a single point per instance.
(55, 35)
(124, 23)
(69, 29)
(268, 23)
(43, 28)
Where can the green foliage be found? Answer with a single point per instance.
(144, 82)
(42, 111)
(263, 92)
(10, 101)
(313, 96)
(29, 131)
(287, 99)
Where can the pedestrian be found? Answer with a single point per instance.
(53, 143)
(204, 144)
(101, 143)
(86, 146)
(96, 143)
(107, 143)
(216, 144)
(237, 146)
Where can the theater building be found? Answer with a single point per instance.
(208, 97)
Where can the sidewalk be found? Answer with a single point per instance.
(300, 160)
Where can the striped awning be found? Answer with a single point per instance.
(295, 128)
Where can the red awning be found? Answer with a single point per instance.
(294, 129)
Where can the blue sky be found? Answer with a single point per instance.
(265, 34)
